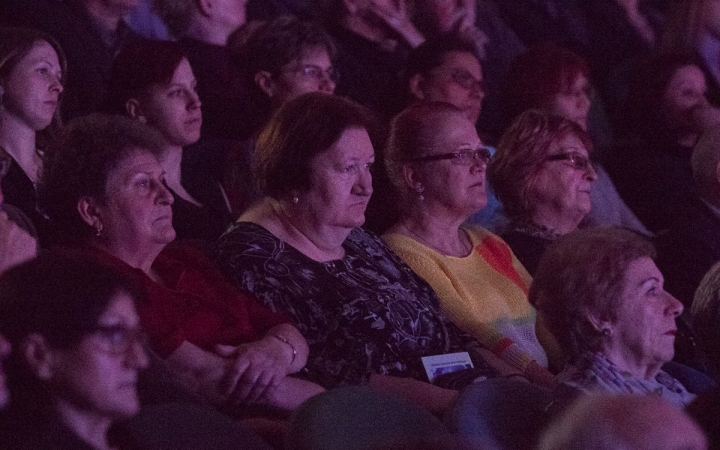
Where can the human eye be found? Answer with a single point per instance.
(368, 165)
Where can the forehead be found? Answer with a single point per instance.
(41, 51)
(120, 310)
(354, 143)
(567, 142)
(641, 269)
(685, 74)
(136, 159)
(462, 60)
(183, 72)
(453, 129)
(314, 54)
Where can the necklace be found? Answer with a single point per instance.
(466, 246)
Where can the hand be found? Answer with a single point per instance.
(704, 116)
(253, 370)
(395, 15)
(16, 245)
(466, 15)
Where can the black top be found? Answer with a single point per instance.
(527, 246)
(365, 313)
(20, 192)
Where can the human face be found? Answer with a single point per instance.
(93, 377)
(573, 102)
(458, 81)
(4, 352)
(312, 72)
(137, 214)
(558, 188)
(685, 91)
(341, 183)
(33, 87)
(458, 190)
(174, 108)
(228, 14)
(644, 333)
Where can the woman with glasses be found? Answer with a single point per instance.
(77, 350)
(437, 164)
(105, 192)
(543, 176)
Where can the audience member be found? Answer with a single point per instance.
(437, 165)
(77, 352)
(626, 422)
(152, 82)
(556, 80)
(203, 28)
(367, 316)
(105, 192)
(90, 33)
(5, 349)
(666, 114)
(282, 59)
(692, 28)
(543, 176)
(704, 410)
(32, 69)
(692, 244)
(600, 294)
(18, 238)
(374, 38)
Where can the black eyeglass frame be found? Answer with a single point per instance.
(482, 153)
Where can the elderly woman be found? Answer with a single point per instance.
(542, 174)
(601, 295)
(367, 316)
(437, 164)
(32, 67)
(104, 189)
(77, 352)
(152, 82)
(556, 80)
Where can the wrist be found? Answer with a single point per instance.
(286, 343)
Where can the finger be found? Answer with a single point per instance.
(261, 385)
(225, 350)
(233, 375)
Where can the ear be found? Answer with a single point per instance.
(598, 323)
(38, 355)
(204, 7)
(411, 176)
(134, 110)
(717, 173)
(87, 207)
(264, 81)
(416, 86)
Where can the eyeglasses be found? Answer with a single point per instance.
(463, 157)
(118, 339)
(578, 160)
(313, 71)
(464, 79)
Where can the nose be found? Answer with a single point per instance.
(364, 183)
(326, 84)
(590, 173)
(194, 100)
(56, 85)
(164, 195)
(675, 307)
(137, 357)
(4, 346)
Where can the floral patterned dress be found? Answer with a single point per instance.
(365, 313)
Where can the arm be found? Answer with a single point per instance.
(394, 13)
(206, 374)
(16, 245)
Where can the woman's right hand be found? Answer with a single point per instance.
(253, 370)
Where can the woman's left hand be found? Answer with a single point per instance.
(395, 14)
(253, 370)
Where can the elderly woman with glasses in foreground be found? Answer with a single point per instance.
(437, 164)
(601, 295)
(542, 174)
(77, 351)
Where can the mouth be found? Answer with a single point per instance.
(671, 333)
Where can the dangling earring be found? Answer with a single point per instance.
(419, 189)
(98, 229)
(606, 332)
(295, 200)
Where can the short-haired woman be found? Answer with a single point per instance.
(367, 316)
(601, 295)
(543, 176)
(77, 352)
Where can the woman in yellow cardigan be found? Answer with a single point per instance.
(437, 165)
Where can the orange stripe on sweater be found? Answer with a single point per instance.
(499, 256)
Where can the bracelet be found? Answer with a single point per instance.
(283, 339)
